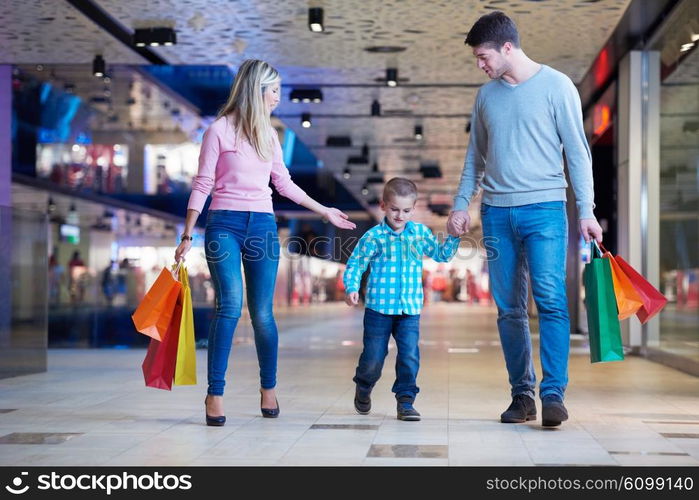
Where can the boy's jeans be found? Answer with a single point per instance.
(535, 238)
(378, 329)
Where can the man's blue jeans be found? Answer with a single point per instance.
(530, 238)
(378, 329)
(232, 236)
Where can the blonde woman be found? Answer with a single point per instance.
(239, 154)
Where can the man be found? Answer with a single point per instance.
(522, 120)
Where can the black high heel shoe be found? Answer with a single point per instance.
(269, 412)
(214, 421)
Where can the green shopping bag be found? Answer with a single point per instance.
(602, 314)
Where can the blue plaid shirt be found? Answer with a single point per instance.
(395, 260)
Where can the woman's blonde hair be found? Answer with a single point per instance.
(247, 107)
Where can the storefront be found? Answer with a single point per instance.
(678, 188)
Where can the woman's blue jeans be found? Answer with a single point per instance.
(232, 236)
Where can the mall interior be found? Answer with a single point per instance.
(103, 104)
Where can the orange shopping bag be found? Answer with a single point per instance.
(154, 313)
(628, 300)
(653, 300)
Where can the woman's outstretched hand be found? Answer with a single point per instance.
(339, 219)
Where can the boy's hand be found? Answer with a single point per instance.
(352, 298)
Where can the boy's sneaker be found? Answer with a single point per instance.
(406, 411)
(520, 410)
(362, 402)
(552, 411)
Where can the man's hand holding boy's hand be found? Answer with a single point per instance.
(352, 298)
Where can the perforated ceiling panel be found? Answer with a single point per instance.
(565, 34)
(47, 32)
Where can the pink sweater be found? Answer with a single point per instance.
(237, 175)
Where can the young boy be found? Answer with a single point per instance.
(393, 250)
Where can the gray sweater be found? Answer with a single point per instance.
(518, 134)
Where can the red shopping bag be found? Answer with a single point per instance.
(653, 300)
(154, 313)
(159, 364)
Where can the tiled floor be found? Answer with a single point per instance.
(92, 408)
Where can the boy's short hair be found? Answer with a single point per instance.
(399, 186)
(493, 29)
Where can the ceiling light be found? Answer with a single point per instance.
(418, 132)
(391, 77)
(385, 49)
(306, 95)
(306, 120)
(365, 189)
(346, 173)
(695, 37)
(430, 171)
(154, 37)
(338, 141)
(315, 19)
(357, 160)
(98, 66)
(686, 47)
(375, 108)
(376, 176)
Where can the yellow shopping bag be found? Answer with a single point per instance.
(186, 366)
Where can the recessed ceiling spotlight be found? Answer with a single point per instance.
(346, 173)
(315, 19)
(418, 132)
(306, 120)
(391, 77)
(98, 66)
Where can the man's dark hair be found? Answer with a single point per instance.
(493, 29)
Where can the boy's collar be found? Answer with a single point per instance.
(409, 227)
